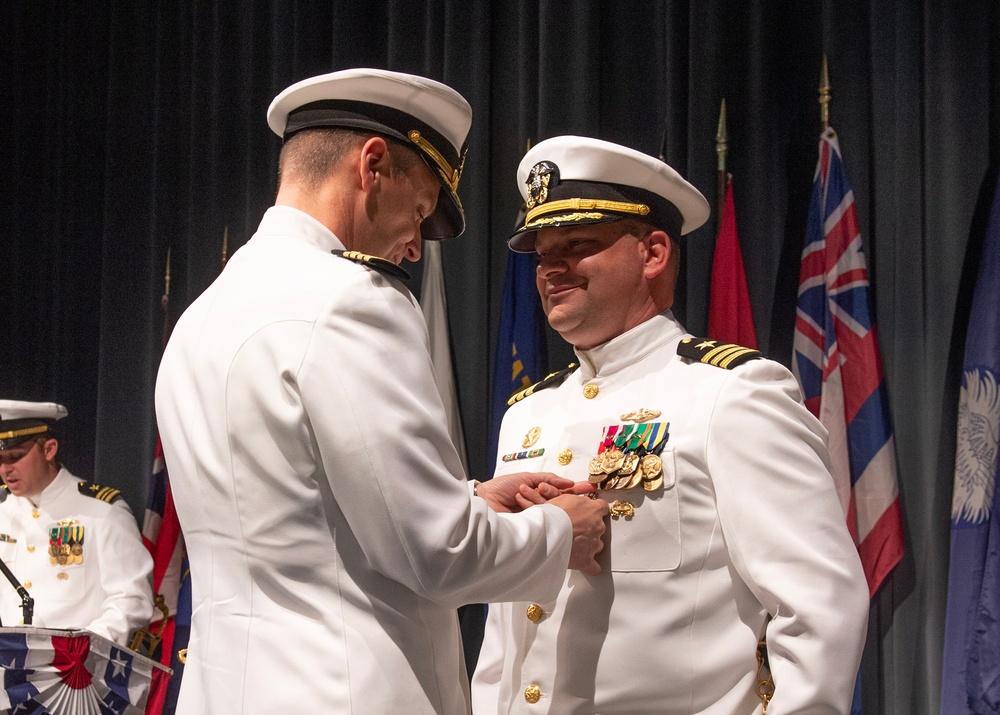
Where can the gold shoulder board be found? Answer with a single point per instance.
(379, 264)
(712, 352)
(550, 380)
(108, 494)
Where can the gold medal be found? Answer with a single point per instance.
(654, 483)
(612, 482)
(651, 466)
(612, 461)
(629, 464)
(634, 480)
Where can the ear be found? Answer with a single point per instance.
(658, 251)
(50, 448)
(373, 164)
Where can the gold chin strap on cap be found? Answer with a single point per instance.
(39, 429)
(621, 207)
(450, 175)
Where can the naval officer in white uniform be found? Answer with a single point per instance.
(725, 528)
(330, 528)
(72, 544)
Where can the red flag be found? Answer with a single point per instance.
(161, 533)
(730, 315)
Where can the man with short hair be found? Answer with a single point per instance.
(330, 528)
(725, 528)
(72, 544)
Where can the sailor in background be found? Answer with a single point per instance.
(726, 537)
(72, 544)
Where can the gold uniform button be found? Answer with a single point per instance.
(62, 575)
(534, 613)
(35, 513)
(31, 548)
(565, 457)
(590, 390)
(532, 693)
(27, 584)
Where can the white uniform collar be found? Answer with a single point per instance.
(63, 481)
(629, 347)
(283, 220)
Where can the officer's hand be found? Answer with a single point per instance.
(506, 493)
(587, 516)
(544, 492)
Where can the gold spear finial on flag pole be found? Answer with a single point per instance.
(165, 301)
(166, 278)
(824, 95)
(721, 148)
(225, 246)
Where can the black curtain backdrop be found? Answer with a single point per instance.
(133, 128)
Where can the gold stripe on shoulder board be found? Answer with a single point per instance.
(712, 352)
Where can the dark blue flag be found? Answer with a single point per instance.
(971, 672)
(182, 632)
(521, 354)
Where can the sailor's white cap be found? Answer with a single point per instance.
(428, 116)
(571, 180)
(20, 421)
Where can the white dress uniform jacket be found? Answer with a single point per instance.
(330, 529)
(745, 539)
(106, 590)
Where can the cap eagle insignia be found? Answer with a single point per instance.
(542, 175)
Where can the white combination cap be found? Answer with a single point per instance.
(570, 180)
(20, 421)
(428, 116)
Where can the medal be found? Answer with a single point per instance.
(651, 466)
(612, 461)
(628, 455)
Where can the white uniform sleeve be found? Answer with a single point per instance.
(787, 536)
(367, 387)
(126, 571)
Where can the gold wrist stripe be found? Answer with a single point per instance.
(451, 176)
(22, 432)
(586, 205)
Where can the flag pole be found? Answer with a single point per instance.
(165, 301)
(824, 96)
(721, 148)
(225, 246)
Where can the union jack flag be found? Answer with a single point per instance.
(837, 362)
